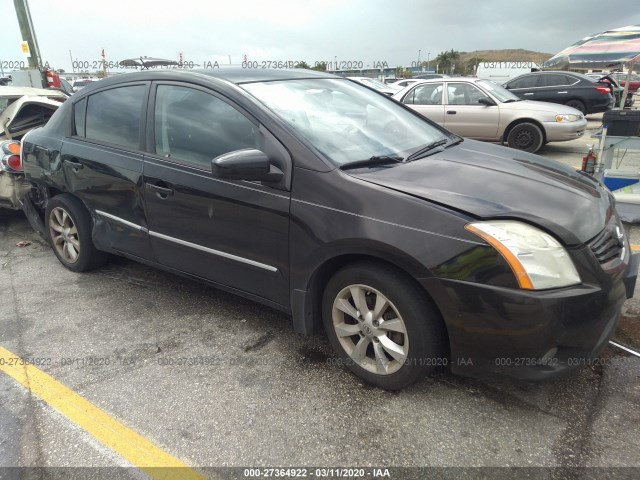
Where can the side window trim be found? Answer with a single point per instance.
(77, 108)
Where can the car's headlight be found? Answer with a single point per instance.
(567, 117)
(537, 259)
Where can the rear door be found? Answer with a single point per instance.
(102, 165)
(234, 233)
(555, 87)
(426, 99)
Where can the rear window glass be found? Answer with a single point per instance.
(113, 116)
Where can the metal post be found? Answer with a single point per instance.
(71, 58)
(27, 32)
(626, 87)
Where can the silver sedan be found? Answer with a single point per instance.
(483, 110)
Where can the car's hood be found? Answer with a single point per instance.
(490, 181)
(532, 105)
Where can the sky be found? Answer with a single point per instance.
(368, 32)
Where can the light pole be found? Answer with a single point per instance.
(428, 53)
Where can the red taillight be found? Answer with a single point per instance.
(603, 89)
(14, 162)
(10, 155)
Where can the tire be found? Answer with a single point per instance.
(392, 357)
(525, 136)
(578, 105)
(68, 227)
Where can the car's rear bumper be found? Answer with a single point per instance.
(12, 188)
(529, 335)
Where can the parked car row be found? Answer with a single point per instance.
(482, 110)
(411, 246)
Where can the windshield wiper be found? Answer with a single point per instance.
(428, 148)
(372, 161)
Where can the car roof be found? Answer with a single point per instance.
(17, 92)
(447, 79)
(235, 75)
(557, 72)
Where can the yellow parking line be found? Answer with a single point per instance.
(635, 247)
(132, 446)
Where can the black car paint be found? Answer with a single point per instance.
(411, 215)
(583, 90)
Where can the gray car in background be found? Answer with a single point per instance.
(482, 110)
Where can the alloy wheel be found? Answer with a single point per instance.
(370, 329)
(64, 235)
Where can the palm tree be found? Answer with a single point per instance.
(447, 61)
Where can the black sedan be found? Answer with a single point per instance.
(572, 89)
(325, 199)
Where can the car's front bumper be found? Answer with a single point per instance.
(562, 132)
(529, 335)
(13, 187)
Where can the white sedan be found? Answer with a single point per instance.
(483, 110)
(376, 85)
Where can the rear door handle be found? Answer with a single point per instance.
(564, 92)
(74, 165)
(528, 93)
(163, 192)
(451, 112)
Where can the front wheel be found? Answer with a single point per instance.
(68, 227)
(525, 136)
(382, 326)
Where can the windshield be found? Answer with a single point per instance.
(373, 83)
(345, 121)
(498, 91)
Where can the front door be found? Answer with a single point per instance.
(234, 233)
(465, 116)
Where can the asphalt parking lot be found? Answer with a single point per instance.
(213, 380)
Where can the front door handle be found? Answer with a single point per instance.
(162, 192)
(528, 93)
(451, 112)
(564, 92)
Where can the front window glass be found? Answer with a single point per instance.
(528, 81)
(343, 120)
(463, 94)
(196, 126)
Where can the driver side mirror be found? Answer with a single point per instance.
(247, 164)
(486, 101)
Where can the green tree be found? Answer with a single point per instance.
(302, 64)
(448, 61)
(321, 67)
(471, 66)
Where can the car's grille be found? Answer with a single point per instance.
(608, 244)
